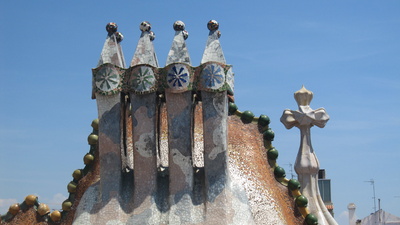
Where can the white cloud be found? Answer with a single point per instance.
(5, 204)
(56, 201)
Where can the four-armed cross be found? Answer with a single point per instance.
(307, 165)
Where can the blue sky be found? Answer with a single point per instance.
(346, 52)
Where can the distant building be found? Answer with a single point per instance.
(325, 190)
(380, 217)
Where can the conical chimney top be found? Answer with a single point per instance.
(145, 53)
(179, 52)
(112, 51)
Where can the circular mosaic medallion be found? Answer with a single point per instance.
(178, 77)
(107, 79)
(213, 76)
(143, 79)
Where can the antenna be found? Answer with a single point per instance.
(291, 169)
(371, 181)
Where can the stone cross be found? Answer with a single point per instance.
(307, 165)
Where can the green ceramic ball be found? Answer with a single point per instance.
(77, 174)
(279, 172)
(14, 209)
(71, 187)
(92, 139)
(294, 184)
(269, 135)
(247, 116)
(272, 154)
(66, 205)
(232, 108)
(88, 158)
(311, 219)
(263, 120)
(95, 124)
(55, 216)
(301, 201)
(30, 200)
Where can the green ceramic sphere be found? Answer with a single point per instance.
(232, 108)
(30, 200)
(301, 201)
(311, 219)
(294, 184)
(66, 205)
(71, 187)
(269, 135)
(55, 216)
(77, 174)
(279, 172)
(272, 154)
(92, 139)
(88, 158)
(14, 209)
(247, 116)
(95, 124)
(263, 120)
(43, 209)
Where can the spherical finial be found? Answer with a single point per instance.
(145, 26)
(152, 36)
(212, 25)
(119, 36)
(179, 26)
(185, 34)
(111, 28)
